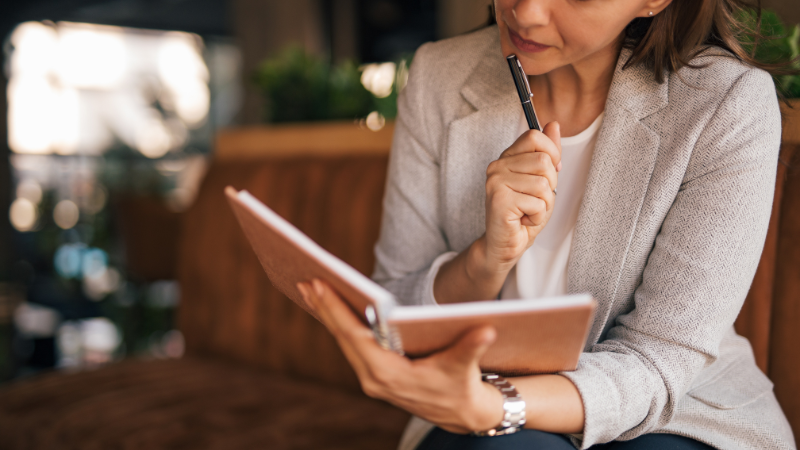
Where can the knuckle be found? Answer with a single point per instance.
(542, 158)
(370, 388)
(542, 183)
(381, 378)
(493, 185)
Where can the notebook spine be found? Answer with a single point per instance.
(395, 340)
(385, 336)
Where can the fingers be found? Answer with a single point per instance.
(531, 211)
(536, 184)
(353, 337)
(469, 349)
(516, 196)
(536, 141)
(553, 131)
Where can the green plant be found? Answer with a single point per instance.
(778, 45)
(298, 86)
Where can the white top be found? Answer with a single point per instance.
(542, 269)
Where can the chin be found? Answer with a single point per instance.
(535, 64)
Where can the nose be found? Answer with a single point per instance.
(531, 13)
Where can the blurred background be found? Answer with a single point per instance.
(108, 114)
(108, 117)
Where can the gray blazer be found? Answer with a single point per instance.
(667, 240)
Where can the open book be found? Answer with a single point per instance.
(533, 336)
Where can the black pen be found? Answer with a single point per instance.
(525, 94)
(524, 91)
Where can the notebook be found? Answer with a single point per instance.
(533, 336)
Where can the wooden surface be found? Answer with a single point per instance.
(791, 122)
(325, 139)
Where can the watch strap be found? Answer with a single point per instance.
(513, 407)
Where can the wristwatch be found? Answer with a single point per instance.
(513, 407)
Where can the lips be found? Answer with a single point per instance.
(526, 45)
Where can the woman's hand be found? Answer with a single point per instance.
(444, 388)
(519, 202)
(520, 196)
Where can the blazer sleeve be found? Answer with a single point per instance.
(412, 245)
(697, 275)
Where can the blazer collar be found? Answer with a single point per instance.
(636, 90)
(490, 83)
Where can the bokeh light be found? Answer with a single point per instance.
(375, 121)
(36, 321)
(91, 56)
(152, 137)
(100, 334)
(23, 214)
(66, 214)
(69, 341)
(31, 190)
(173, 344)
(31, 115)
(34, 49)
(87, 342)
(379, 78)
(97, 285)
(68, 260)
(94, 262)
(79, 88)
(185, 76)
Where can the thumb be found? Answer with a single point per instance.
(553, 131)
(470, 347)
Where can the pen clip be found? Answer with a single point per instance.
(525, 79)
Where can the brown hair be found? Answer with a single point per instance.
(671, 39)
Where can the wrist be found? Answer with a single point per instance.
(486, 411)
(481, 269)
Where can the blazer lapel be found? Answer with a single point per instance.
(619, 175)
(475, 140)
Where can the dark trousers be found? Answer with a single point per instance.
(439, 439)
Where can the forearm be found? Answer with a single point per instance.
(468, 277)
(553, 403)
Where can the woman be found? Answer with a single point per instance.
(665, 181)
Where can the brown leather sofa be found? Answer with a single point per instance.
(261, 373)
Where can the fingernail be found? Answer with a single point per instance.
(558, 167)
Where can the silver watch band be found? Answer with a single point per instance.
(513, 407)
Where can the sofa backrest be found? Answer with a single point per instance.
(783, 363)
(229, 308)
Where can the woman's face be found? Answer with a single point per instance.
(548, 34)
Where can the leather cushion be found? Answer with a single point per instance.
(193, 404)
